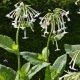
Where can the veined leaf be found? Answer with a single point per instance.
(7, 73)
(36, 69)
(58, 66)
(6, 43)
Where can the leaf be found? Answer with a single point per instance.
(6, 43)
(58, 66)
(22, 77)
(73, 50)
(48, 73)
(45, 53)
(7, 73)
(25, 68)
(33, 58)
(36, 69)
(59, 36)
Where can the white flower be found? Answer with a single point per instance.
(23, 16)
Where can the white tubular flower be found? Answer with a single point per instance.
(54, 22)
(23, 16)
(73, 61)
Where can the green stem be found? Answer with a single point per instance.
(18, 53)
(48, 45)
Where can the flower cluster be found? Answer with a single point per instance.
(55, 19)
(23, 16)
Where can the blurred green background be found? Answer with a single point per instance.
(36, 43)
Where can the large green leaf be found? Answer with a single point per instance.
(7, 73)
(58, 67)
(33, 58)
(7, 43)
(36, 69)
(73, 51)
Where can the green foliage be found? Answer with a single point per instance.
(36, 58)
(7, 73)
(38, 61)
(8, 44)
(54, 71)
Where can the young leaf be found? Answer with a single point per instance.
(25, 68)
(7, 73)
(58, 66)
(6, 43)
(45, 53)
(36, 69)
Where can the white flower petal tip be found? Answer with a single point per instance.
(78, 12)
(37, 15)
(67, 13)
(43, 36)
(75, 3)
(59, 30)
(65, 32)
(25, 37)
(69, 19)
(57, 49)
(72, 68)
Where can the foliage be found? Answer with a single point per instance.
(53, 23)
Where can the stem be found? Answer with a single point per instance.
(18, 53)
(48, 45)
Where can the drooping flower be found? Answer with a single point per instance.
(23, 16)
(54, 21)
(73, 61)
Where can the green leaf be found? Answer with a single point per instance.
(33, 58)
(36, 69)
(45, 53)
(58, 66)
(7, 73)
(59, 36)
(22, 77)
(48, 73)
(25, 68)
(6, 43)
(73, 51)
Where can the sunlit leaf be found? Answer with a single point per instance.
(45, 53)
(58, 66)
(7, 43)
